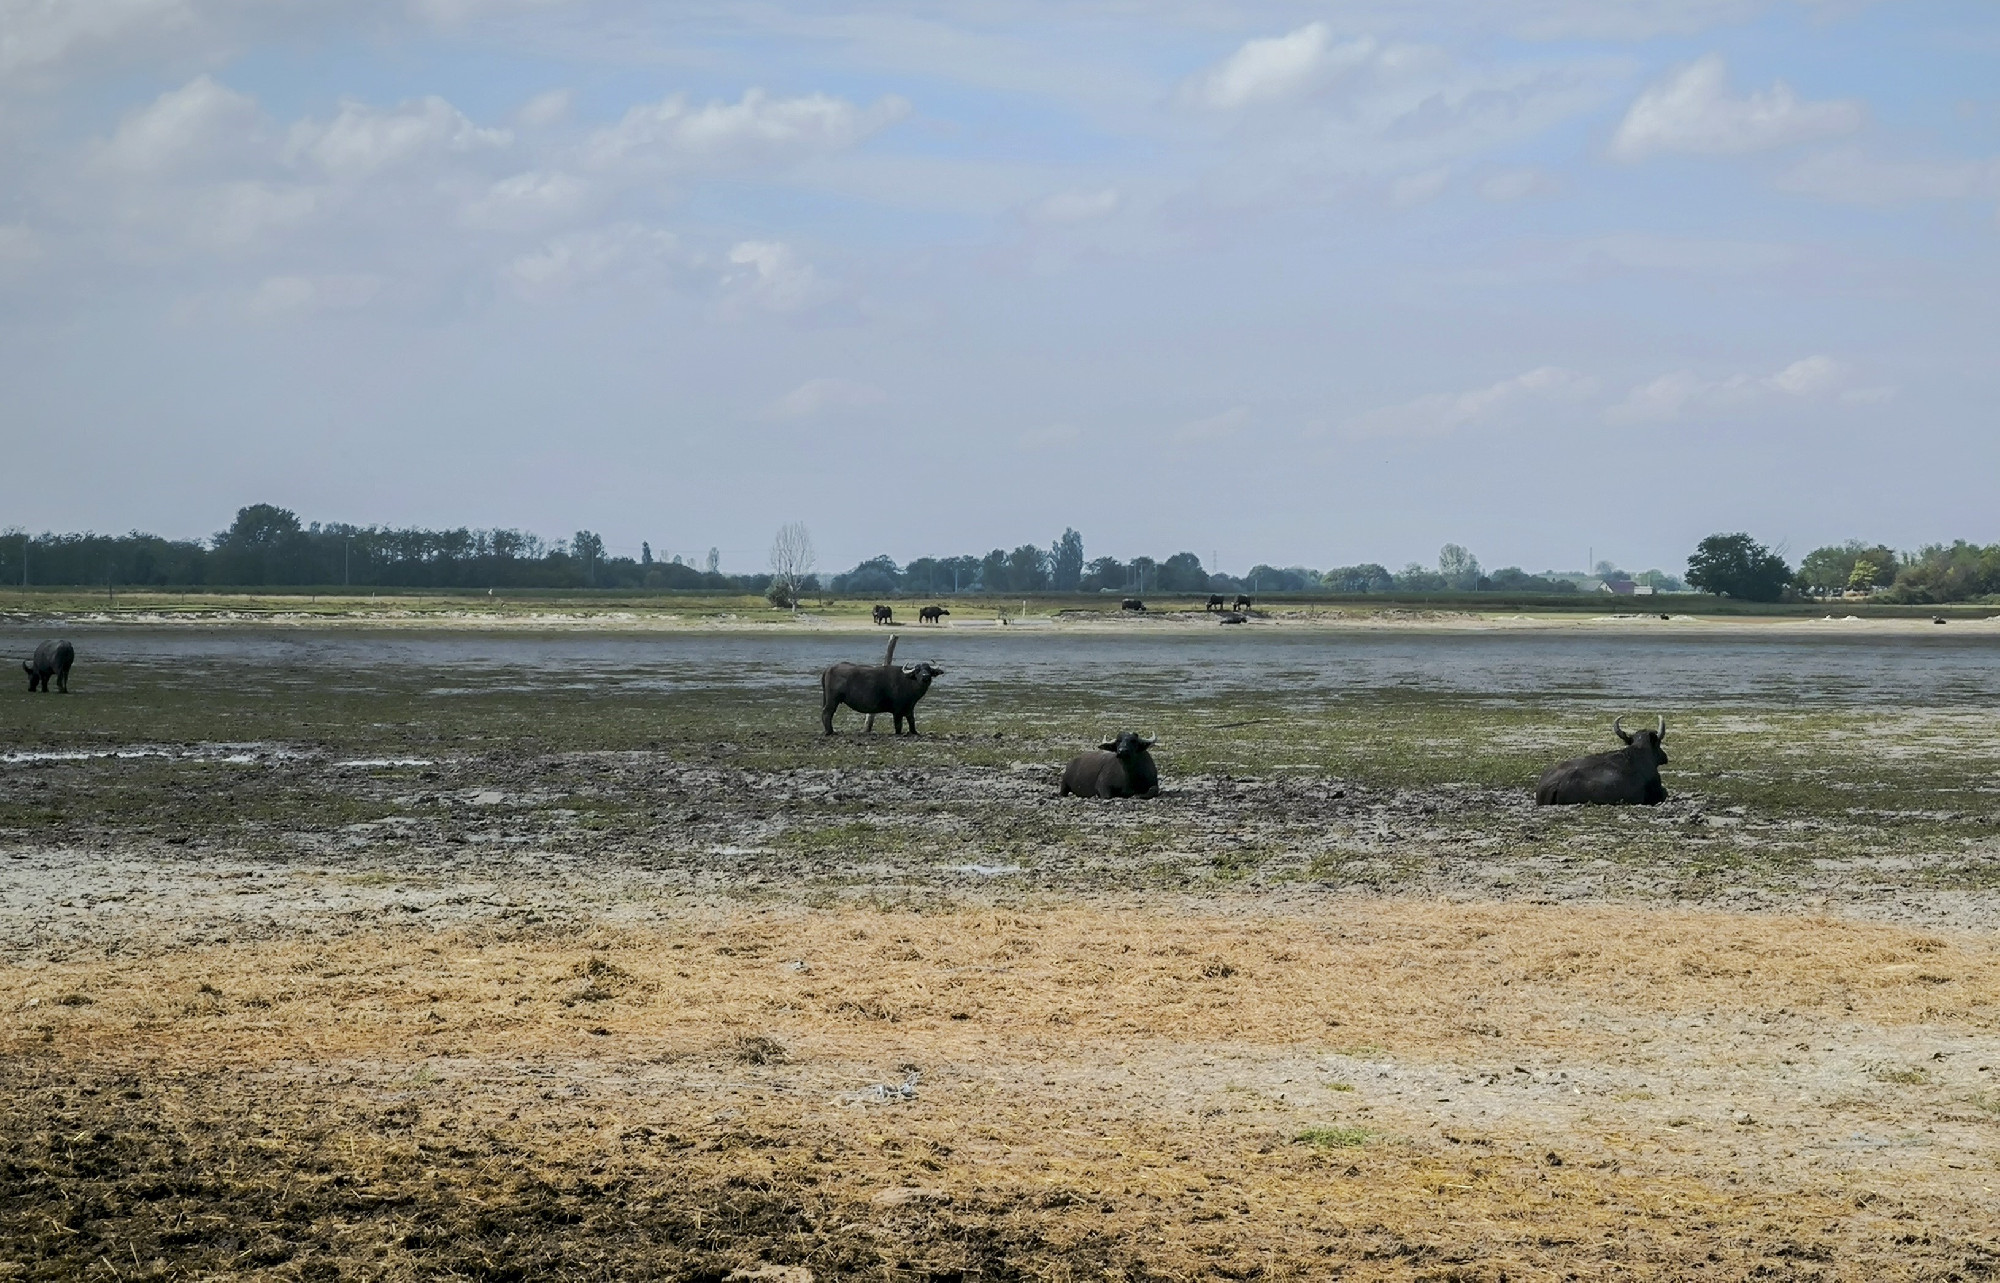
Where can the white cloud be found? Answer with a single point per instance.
(1417, 189)
(1495, 405)
(1691, 110)
(279, 295)
(1074, 206)
(770, 274)
(361, 140)
(757, 129)
(1516, 184)
(1216, 427)
(19, 245)
(815, 397)
(40, 37)
(528, 201)
(244, 214)
(1336, 115)
(1277, 67)
(576, 260)
(1054, 436)
(1853, 177)
(545, 109)
(1684, 393)
(199, 121)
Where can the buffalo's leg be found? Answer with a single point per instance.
(871, 723)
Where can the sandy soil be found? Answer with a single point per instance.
(1148, 1087)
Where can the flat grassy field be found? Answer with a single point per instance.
(316, 967)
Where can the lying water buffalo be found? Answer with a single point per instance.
(1623, 777)
(932, 615)
(875, 688)
(52, 659)
(884, 615)
(1214, 601)
(1131, 603)
(1118, 768)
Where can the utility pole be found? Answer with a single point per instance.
(346, 554)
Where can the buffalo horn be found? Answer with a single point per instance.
(1618, 729)
(1663, 727)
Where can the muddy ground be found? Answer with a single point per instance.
(315, 973)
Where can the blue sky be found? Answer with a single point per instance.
(1318, 283)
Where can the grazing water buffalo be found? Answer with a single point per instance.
(884, 615)
(1118, 768)
(1242, 602)
(52, 659)
(1214, 601)
(932, 615)
(875, 688)
(1623, 777)
(1131, 603)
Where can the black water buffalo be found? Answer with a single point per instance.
(932, 615)
(52, 659)
(1242, 602)
(1214, 601)
(1118, 768)
(1131, 603)
(875, 688)
(884, 615)
(1623, 777)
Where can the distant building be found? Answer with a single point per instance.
(1621, 587)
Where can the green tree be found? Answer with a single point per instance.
(1459, 567)
(1830, 569)
(1027, 569)
(1735, 565)
(1182, 572)
(1066, 561)
(1366, 577)
(993, 576)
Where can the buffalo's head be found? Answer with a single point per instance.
(1128, 744)
(1643, 739)
(922, 673)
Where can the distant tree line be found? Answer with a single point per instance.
(1062, 568)
(1735, 565)
(267, 546)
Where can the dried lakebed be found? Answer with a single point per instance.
(473, 964)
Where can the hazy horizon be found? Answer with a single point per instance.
(1276, 282)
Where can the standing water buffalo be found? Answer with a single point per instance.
(1623, 777)
(932, 615)
(1242, 602)
(1131, 603)
(884, 615)
(52, 659)
(1214, 601)
(875, 688)
(1117, 768)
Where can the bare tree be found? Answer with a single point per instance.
(791, 561)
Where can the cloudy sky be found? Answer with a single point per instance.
(1291, 282)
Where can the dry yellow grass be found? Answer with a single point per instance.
(1145, 1088)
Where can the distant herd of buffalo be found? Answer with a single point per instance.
(1119, 767)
